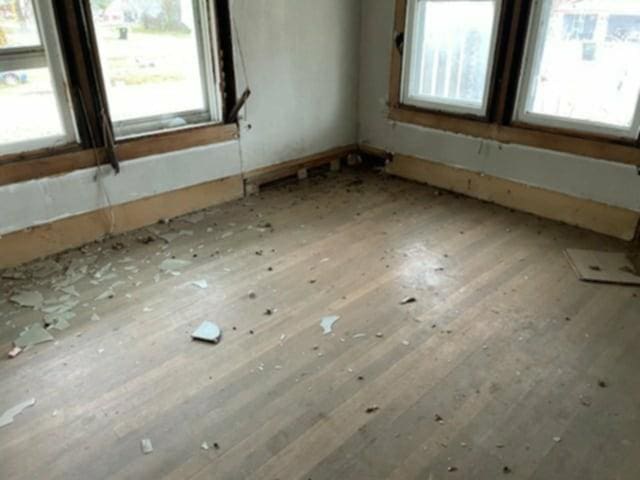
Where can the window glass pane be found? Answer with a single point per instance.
(586, 64)
(451, 46)
(151, 57)
(18, 26)
(28, 105)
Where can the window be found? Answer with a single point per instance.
(157, 63)
(623, 28)
(579, 27)
(581, 71)
(450, 47)
(31, 80)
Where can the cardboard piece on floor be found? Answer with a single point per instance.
(603, 267)
(208, 332)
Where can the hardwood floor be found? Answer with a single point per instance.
(504, 345)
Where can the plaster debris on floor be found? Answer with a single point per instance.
(146, 446)
(9, 415)
(328, 322)
(32, 335)
(32, 299)
(202, 284)
(115, 312)
(173, 265)
(207, 332)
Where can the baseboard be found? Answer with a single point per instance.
(26, 245)
(55, 237)
(609, 220)
(264, 175)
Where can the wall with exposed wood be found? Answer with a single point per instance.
(606, 182)
(302, 66)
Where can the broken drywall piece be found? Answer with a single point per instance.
(72, 276)
(33, 299)
(200, 284)
(327, 323)
(603, 267)
(106, 294)
(103, 271)
(14, 274)
(95, 317)
(208, 332)
(171, 265)
(61, 308)
(146, 446)
(32, 335)
(171, 236)
(8, 416)
(45, 268)
(204, 446)
(194, 218)
(71, 290)
(59, 321)
(60, 324)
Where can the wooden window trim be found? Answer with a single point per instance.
(498, 125)
(72, 159)
(84, 89)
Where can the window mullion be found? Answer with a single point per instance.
(23, 59)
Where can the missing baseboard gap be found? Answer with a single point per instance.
(374, 158)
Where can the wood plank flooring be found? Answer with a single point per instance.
(504, 345)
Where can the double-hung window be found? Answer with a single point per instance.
(556, 74)
(582, 67)
(158, 65)
(34, 106)
(449, 51)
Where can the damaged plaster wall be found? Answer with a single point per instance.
(302, 66)
(605, 182)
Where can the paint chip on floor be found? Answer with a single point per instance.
(32, 335)
(327, 323)
(146, 446)
(8, 416)
(208, 332)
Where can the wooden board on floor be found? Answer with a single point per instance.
(603, 267)
(271, 173)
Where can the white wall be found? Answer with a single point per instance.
(302, 67)
(606, 182)
(302, 59)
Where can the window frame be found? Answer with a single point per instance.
(501, 124)
(533, 50)
(76, 53)
(47, 55)
(455, 107)
(206, 41)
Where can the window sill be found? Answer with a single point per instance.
(601, 148)
(33, 165)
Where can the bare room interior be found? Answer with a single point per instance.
(320, 239)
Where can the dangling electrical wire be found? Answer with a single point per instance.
(243, 101)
